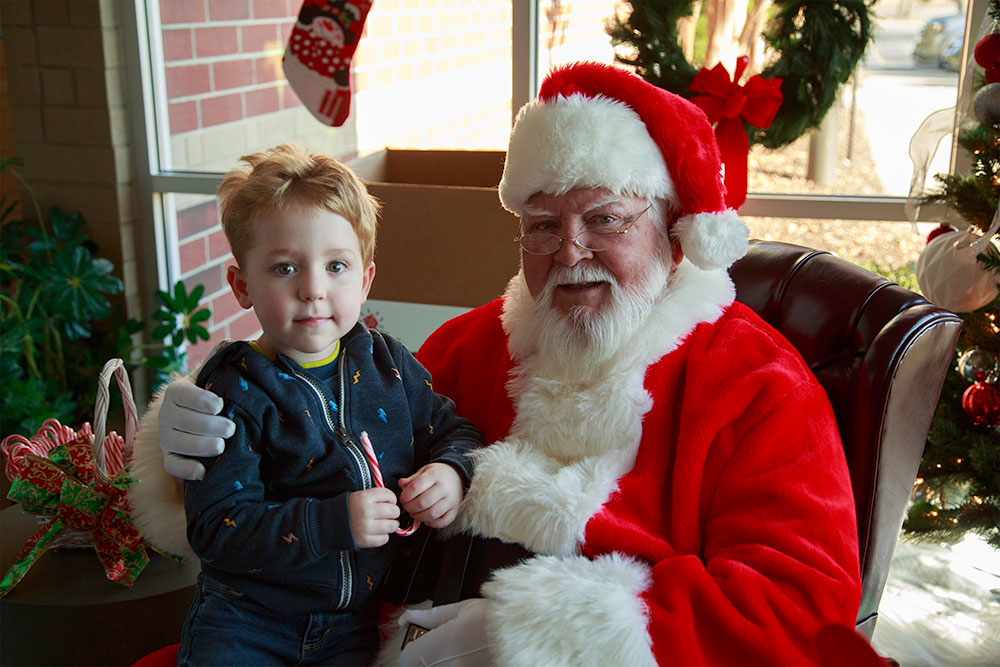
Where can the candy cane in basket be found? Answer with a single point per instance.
(377, 474)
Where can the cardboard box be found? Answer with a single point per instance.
(444, 242)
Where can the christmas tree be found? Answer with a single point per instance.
(957, 490)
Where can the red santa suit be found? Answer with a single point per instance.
(688, 503)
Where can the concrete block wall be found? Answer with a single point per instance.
(67, 112)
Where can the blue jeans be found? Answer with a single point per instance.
(224, 627)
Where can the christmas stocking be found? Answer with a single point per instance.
(317, 61)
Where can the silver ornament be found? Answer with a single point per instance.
(986, 105)
(976, 364)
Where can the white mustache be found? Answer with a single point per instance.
(569, 275)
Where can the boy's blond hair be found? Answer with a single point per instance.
(288, 175)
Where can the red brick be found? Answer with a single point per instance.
(198, 352)
(196, 219)
(228, 10)
(286, 31)
(232, 74)
(192, 255)
(183, 117)
(260, 38)
(270, 9)
(213, 279)
(262, 101)
(177, 44)
(224, 307)
(289, 100)
(268, 69)
(187, 80)
(190, 11)
(216, 41)
(218, 246)
(244, 327)
(223, 109)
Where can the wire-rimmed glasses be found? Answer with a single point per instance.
(594, 239)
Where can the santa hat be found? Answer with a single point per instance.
(595, 125)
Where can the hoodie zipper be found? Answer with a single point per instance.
(339, 428)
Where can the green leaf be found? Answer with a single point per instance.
(78, 286)
(194, 298)
(180, 295)
(157, 362)
(200, 316)
(200, 332)
(161, 332)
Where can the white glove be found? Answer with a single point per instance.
(189, 427)
(457, 637)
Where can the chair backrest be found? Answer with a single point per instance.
(881, 352)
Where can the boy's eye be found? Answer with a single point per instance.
(336, 266)
(283, 269)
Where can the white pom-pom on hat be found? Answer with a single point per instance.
(595, 125)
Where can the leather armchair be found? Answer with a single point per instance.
(881, 352)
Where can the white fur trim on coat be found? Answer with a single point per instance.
(712, 240)
(156, 498)
(570, 611)
(579, 141)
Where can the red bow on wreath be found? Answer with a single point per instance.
(728, 105)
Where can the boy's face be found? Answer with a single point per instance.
(305, 279)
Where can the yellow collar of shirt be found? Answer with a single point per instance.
(309, 364)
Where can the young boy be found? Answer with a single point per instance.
(289, 524)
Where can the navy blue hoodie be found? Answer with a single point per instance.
(270, 518)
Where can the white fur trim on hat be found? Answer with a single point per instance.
(580, 142)
(712, 240)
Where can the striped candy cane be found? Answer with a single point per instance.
(377, 474)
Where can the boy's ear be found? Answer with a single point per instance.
(366, 281)
(234, 276)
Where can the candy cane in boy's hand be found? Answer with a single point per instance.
(377, 474)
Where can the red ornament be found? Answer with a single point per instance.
(943, 228)
(987, 51)
(981, 402)
(993, 73)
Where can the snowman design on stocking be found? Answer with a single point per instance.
(317, 60)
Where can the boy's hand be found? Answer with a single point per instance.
(432, 494)
(373, 513)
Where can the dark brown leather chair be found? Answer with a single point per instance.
(881, 352)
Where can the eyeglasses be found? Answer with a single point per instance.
(596, 237)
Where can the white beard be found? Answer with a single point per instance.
(579, 344)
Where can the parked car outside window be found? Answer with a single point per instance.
(938, 37)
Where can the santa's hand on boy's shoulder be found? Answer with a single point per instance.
(190, 426)
(432, 494)
(373, 514)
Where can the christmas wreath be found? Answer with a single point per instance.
(817, 44)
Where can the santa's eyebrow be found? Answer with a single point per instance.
(536, 212)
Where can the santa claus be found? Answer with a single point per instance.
(667, 467)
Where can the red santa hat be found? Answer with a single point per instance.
(595, 125)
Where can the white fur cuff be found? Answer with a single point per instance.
(156, 497)
(570, 611)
